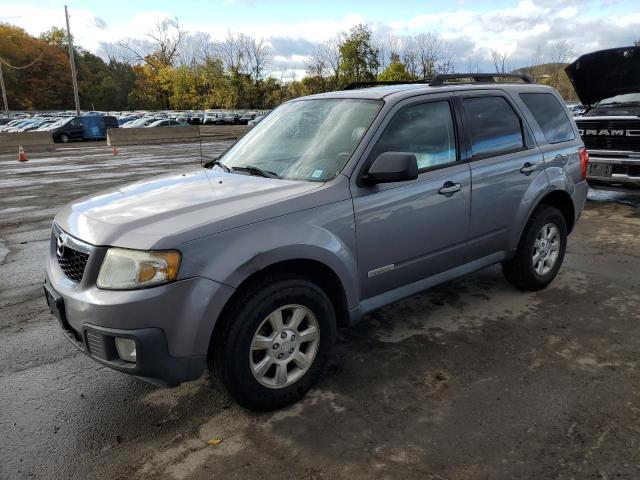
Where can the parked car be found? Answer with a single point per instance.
(608, 83)
(231, 119)
(246, 118)
(140, 123)
(85, 127)
(256, 120)
(212, 118)
(37, 125)
(166, 123)
(249, 264)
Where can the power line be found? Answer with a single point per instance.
(23, 67)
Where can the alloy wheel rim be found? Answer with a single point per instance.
(546, 249)
(284, 346)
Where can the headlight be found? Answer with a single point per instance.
(124, 269)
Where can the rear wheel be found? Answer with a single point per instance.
(540, 252)
(274, 342)
(64, 138)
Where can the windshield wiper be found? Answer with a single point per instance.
(213, 163)
(256, 171)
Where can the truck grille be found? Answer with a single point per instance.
(73, 263)
(605, 139)
(628, 170)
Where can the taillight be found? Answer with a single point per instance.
(584, 162)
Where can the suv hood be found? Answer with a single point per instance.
(605, 73)
(138, 215)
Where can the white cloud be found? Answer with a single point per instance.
(517, 30)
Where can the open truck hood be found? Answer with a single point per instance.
(605, 73)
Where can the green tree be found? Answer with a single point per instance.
(395, 72)
(358, 57)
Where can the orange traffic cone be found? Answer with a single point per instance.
(114, 151)
(22, 157)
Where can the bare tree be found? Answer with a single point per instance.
(315, 64)
(435, 55)
(233, 51)
(160, 48)
(472, 65)
(560, 52)
(193, 48)
(499, 60)
(409, 55)
(535, 62)
(329, 52)
(259, 56)
(389, 48)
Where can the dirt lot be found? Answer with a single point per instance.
(470, 380)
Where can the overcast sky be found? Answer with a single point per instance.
(473, 26)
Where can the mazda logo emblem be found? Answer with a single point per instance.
(61, 241)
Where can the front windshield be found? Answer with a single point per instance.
(305, 140)
(626, 98)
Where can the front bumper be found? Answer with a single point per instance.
(153, 363)
(171, 324)
(614, 167)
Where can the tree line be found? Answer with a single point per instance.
(171, 68)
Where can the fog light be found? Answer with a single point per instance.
(126, 349)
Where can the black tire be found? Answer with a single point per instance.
(520, 270)
(229, 351)
(64, 138)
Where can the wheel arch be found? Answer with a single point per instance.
(561, 200)
(316, 271)
(557, 198)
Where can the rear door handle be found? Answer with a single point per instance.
(529, 167)
(449, 188)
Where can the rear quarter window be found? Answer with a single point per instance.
(550, 115)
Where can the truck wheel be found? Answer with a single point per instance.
(64, 138)
(540, 252)
(274, 343)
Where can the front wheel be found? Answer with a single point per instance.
(274, 342)
(64, 138)
(540, 252)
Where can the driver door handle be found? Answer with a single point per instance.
(449, 188)
(529, 167)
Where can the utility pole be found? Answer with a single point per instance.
(73, 64)
(4, 91)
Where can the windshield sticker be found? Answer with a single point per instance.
(317, 173)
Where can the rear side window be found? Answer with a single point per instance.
(494, 128)
(426, 130)
(550, 115)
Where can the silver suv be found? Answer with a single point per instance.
(333, 206)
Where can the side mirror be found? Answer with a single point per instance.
(392, 167)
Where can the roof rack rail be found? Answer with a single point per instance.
(357, 85)
(441, 79)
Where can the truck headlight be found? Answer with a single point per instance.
(124, 269)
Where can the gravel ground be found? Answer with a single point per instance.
(469, 380)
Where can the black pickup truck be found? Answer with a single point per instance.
(608, 84)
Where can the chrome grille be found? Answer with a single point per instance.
(73, 263)
(624, 142)
(72, 254)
